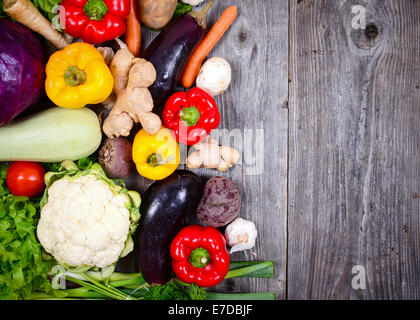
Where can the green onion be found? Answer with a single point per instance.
(240, 296)
(246, 271)
(108, 288)
(263, 273)
(98, 289)
(132, 286)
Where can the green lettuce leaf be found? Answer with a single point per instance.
(46, 7)
(23, 268)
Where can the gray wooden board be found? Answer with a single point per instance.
(340, 109)
(354, 150)
(253, 116)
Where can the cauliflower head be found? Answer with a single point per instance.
(86, 219)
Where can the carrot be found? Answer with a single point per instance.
(196, 59)
(24, 12)
(133, 33)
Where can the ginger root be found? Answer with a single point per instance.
(134, 103)
(107, 53)
(120, 67)
(210, 155)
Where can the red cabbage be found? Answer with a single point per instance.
(22, 72)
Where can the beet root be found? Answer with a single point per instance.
(221, 202)
(115, 157)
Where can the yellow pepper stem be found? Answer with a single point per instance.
(155, 160)
(74, 76)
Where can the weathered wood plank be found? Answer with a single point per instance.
(354, 175)
(252, 119)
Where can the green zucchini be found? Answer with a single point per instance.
(52, 135)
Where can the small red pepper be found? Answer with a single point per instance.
(199, 256)
(191, 115)
(95, 21)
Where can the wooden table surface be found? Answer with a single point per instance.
(329, 118)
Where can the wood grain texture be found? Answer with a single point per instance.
(354, 150)
(252, 118)
(347, 150)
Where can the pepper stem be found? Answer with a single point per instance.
(190, 116)
(95, 9)
(156, 159)
(200, 17)
(74, 76)
(199, 258)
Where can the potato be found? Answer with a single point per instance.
(220, 203)
(156, 14)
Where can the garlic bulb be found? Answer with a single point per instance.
(240, 235)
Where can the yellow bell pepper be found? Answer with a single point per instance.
(156, 156)
(77, 76)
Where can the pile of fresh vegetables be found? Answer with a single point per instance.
(82, 108)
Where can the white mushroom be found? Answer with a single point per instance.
(192, 2)
(240, 235)
(215, 76)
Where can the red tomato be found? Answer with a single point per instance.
(25, 178)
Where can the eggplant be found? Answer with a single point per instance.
(169, 52)
(165, 205)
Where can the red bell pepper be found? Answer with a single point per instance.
(191, 115)
(95, 21)
(199, 256)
